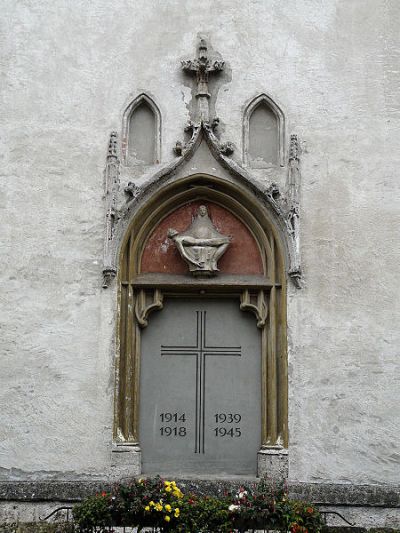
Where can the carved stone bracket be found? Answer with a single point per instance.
(146, 302)
(256, 303)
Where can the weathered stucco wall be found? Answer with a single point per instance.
(68, 71)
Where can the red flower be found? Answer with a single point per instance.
(309, 510)
(104, 494)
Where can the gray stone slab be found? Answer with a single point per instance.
(200, 389)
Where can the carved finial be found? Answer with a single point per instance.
(112, 145)
(202, 67)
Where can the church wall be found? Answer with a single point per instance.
(69, 72)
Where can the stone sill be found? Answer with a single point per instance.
(387, 496)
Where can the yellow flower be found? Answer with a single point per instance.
(167, 518)
(147, 508)
(177, 493)
(177, 512)
(152, 503)
(168, 489)
(168, 508)
(158, 507)
(167, 483)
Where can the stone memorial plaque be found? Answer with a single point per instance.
(200, 404)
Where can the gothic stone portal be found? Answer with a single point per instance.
(200, 389)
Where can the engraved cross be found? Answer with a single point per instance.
(201, 350)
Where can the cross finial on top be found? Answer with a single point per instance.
(202, 66)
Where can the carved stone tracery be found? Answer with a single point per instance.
(285, 206)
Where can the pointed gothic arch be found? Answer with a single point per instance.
(263, 133)
(263, 294)
(141, 132)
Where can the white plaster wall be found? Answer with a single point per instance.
(68, 70)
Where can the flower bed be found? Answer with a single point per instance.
(162, 504)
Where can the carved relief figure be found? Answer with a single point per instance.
(201, 245)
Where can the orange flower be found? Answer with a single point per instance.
(309, 510)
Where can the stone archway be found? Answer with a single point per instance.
(252, 273)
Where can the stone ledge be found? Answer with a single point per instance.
(318, 493)
(343, 494)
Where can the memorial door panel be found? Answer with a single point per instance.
(200, 403)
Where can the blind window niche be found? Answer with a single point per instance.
(263, 134)
(142, 133)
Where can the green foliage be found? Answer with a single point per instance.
(257, 506)
(202, 514)
(95, 511)
(161, 504)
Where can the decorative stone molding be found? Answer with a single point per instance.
(284, 208)
(111, 186)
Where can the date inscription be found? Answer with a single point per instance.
(227, 425)
(176, 425)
